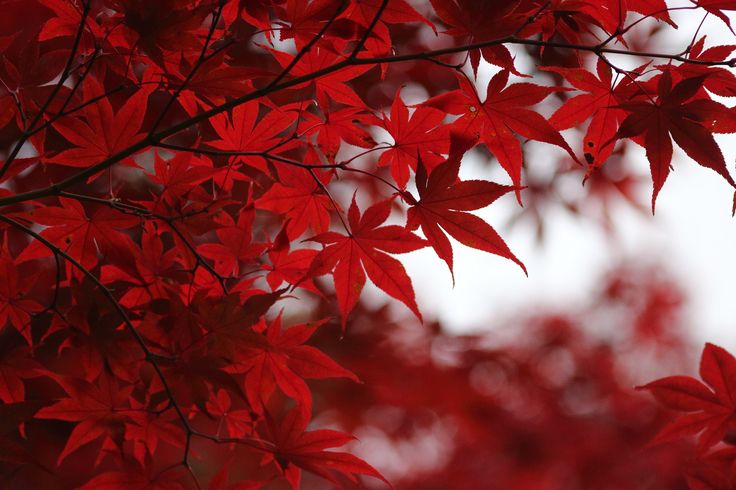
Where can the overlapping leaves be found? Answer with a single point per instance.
(161, 162)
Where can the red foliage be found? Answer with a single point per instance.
(541, 401)
(175, 174)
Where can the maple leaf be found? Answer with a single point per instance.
(672, 115)
(178, 176)
(15, 307)
(443, 200)
(328, 87)
(14, 367)
(81, 236)
(244, 131)
(238, 422)
(394, 12)
(100, 132)
(254, 12)
(337, 126)
(8, 108)
(599, 102)
(150, 310)
(235, 243)
(300, 199)
(279, 358)
(302, 21)
(719, 80)
(96, 337)
(149, 272)
(496, 119)
(156, 30)
(65, 21)
(147, 428)
(364, 248)
(713, 471)
(28, 73)
(6, 41)
(717, 8)
(228, 320)
(420, 135)
(136, 479)
(656, 9)
(289, 266)
(213, 81)
(572, 20)
(476, 21)
(298, 449)
(196, 372)
(94, 408)
(710, 407)
(219, 481)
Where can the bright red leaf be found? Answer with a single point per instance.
(496, 119)
(673, 114)
(710, 407)
(442, 205)
(101, 132)
(298, 449)
(349, 257)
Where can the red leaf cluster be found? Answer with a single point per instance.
(194, 192)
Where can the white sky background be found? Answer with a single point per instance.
(692, 232)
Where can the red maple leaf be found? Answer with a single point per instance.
(302, 21)
(443, 200)
(503, 113)
(100, 131)
(717, 8)
(280, 358)
(395, 12)
(16, 366)
(710, 407)
(289, 265)
(674, 114)
(233, 422)
(137, 310)
(148, 273)
(235, 243)
(300, 198)
(298, 449)
(656, 9)
(573, 20)
(168, 26)
(245, 131)
(15, 307)
(599, 104)
(65, 21)
(212, 83)
(362, 248)
(229, 323)
(719, 80)
(338, 126)
(94, 408)
(136, 478)
(421, 135)
(328, 87)
(178, 177)
(83, 237)
(147, 429)
(474, 21)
